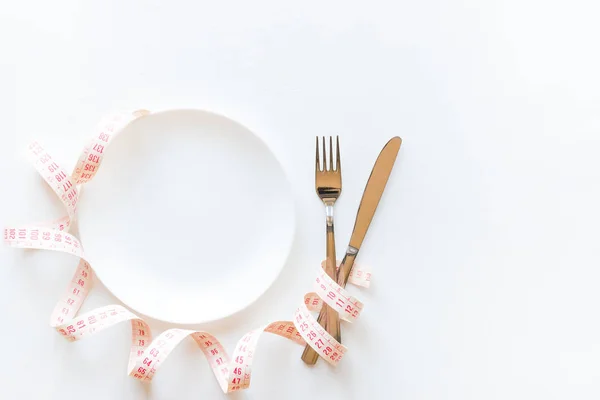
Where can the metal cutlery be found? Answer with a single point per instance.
(368, 204)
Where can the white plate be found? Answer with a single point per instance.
(190, 217)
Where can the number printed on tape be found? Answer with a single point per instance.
(148, 353)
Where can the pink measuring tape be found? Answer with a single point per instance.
(147, 354)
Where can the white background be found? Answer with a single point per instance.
(485, 247)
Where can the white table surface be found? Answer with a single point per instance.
(485, 247)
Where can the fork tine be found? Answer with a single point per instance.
(324, 156)
(338, 163)
(331, 153)
(317, 165)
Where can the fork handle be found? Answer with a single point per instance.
(328, 317)
(310, 356)
(333, 319)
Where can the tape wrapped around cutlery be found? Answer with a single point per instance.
(147, 354)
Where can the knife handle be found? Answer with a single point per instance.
(346, 266)
(342, 279)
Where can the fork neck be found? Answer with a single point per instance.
(329, 213)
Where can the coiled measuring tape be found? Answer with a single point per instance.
(147, 354)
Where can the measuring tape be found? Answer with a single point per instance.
(147, 354)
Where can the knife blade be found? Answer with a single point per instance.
(368, 204)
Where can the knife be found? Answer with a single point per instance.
(368, 204)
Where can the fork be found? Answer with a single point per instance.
(328, 184)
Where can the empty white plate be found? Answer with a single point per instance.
(190, 217)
